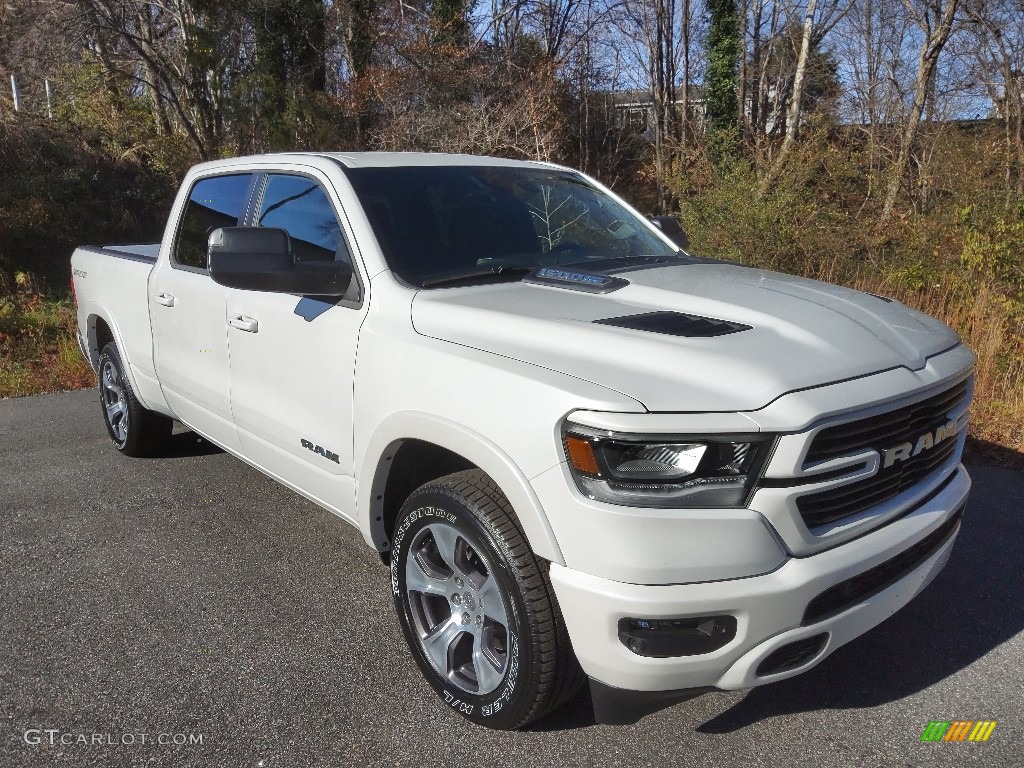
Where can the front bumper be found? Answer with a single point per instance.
(769, 608)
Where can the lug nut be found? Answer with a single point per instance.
(457, 598)
(458, 582)
(465, 618)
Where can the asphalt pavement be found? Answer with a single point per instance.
(189, 600)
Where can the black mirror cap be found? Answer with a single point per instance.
(670, 226)
(260, 259)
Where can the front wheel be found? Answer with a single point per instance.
(476, 605)
(134, 430)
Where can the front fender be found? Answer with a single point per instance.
(475, 448)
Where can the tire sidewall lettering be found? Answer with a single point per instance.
(468, 704)
(403, 529)
(511, 677)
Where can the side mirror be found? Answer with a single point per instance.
(260, 259)
(671, 227)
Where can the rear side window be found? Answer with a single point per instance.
(213, 203)
(300, 206)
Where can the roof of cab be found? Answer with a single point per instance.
(376, 159)
(396, 159)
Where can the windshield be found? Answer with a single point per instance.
(437, 221)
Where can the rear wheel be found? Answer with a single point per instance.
(476, 605)
(134, 430)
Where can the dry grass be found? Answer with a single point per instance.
(980, 314)
(38, 351)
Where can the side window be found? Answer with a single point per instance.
(300, 206)
(213, 203)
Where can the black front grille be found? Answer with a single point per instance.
(849, 593)
(886, 429)
(833, 504)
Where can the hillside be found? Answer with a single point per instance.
(955, 253)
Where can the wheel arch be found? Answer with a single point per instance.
(98, 336)
(411, 448)
(100, 331)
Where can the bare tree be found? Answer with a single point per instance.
(556, 20)
(997, 26)
(764, 23)
(166, 46)
(935, 19)
(37, 41)
(686, 40)
(815, 27)
(650, 26)
(870, 42)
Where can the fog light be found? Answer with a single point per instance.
(663, 638)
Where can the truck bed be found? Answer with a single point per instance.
(138, 251)
(112, 283)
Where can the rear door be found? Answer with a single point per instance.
(293, 357)
(187, 310)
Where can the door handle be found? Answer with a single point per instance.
(164, 298)
(244, 323)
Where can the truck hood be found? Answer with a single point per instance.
(788, 333)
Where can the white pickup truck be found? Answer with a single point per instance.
(581, 451)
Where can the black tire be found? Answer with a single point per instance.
(501, 666)
(134, 430)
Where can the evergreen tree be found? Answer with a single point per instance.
(724, 51)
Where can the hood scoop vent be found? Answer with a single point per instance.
(675, 324)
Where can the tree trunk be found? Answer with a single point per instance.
(684, 121)
(741, 85)
(662, 69)
(795, 100)
(931, 47)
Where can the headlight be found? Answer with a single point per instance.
(665, 471)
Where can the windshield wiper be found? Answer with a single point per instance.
(476, 275)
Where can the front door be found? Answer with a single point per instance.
(293, 357)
